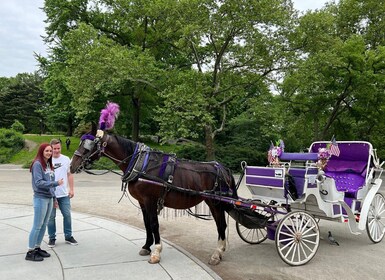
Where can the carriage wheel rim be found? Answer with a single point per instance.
(376, 219)
(297, 238)
(251, 236)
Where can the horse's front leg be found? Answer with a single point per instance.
(220, 220)
(216, 257)
(146, 249)
(154, 224)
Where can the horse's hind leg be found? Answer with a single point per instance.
(219, 217)
(146, 249)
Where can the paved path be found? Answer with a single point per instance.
(108, 250)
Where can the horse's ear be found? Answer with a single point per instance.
(93, 129)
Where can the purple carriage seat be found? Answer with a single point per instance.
(349, 169)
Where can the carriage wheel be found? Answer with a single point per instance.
(251, 235)
(375, 223)
(297, 238)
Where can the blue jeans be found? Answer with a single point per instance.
(42, 208)
(65, 209)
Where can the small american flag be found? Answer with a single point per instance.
(334, 150)
(270, 157)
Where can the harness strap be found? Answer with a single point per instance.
(138, 163)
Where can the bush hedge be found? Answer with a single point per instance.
(11, 142)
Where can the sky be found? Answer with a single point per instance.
(22, 25)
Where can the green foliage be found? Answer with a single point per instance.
(11, 142)
(192, 152)
(26, 155)
(21, 99)
(18, 126)
(232, 156)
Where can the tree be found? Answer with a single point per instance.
(126, 26)
(232, 46)
(21, 99)
(338, 84)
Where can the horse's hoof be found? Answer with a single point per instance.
(144, 252)
(154, 259)
(214, 261)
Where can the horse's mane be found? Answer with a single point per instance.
(127, 145)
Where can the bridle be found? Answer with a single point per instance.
(89, 142)
(86, 158)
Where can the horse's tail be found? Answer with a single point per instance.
(233, 186)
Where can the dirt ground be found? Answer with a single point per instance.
(355, 258)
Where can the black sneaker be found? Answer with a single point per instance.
(51, 243)
(33, 256)
(71, 240)
(42, 253)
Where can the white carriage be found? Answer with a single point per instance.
(343, 188)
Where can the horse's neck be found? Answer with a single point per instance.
(120, 151)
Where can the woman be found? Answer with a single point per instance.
(43, 185)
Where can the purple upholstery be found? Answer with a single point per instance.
(347, 182)
(349, 151)
(299, 156)
(348, 169)
(299, 177)
(355, 166)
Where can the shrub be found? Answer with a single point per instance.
(232, 155)
(192, 151)
(18, 126)
(11, 142)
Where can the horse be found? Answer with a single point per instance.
(156, 180)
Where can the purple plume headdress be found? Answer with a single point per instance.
(108, 116)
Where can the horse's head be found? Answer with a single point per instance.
(89, 150)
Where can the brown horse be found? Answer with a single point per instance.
(157, 179)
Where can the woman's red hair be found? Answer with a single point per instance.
(40, 157)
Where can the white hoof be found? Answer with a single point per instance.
(216, 257)
(155, 255)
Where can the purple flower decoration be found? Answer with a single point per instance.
(324, 153)
(108, 116)
(276, 152)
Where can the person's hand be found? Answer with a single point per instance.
(71, 194)
(55, 204)
(60, 182)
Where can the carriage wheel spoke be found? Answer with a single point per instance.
(303, 249)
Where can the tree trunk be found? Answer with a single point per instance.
(210, 153)
(135, 118)
(70, 128)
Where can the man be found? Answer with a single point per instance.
(63, 195)
(68, 143)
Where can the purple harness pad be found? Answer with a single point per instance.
(163, 166)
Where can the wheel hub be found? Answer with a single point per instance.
(297, 237)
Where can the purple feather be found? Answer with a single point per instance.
(108, 116)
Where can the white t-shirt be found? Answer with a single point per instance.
(62, 168)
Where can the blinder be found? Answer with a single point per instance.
(88, 142)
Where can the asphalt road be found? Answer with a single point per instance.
(356, 257)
